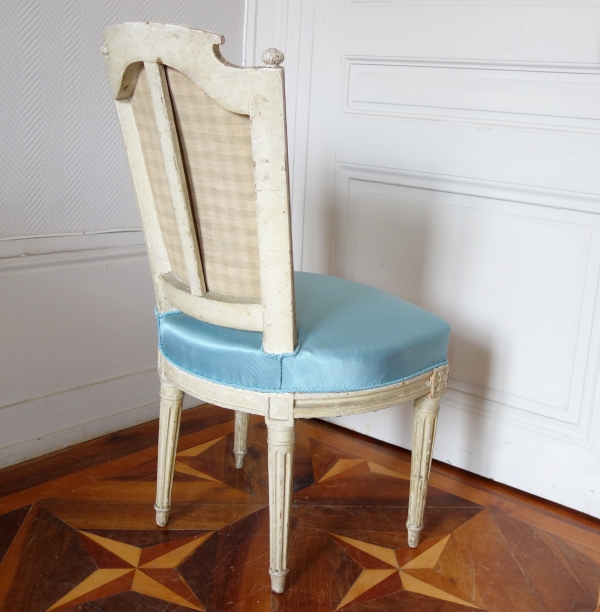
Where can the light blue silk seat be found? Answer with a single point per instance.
(350, 337)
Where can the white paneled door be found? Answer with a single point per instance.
(448, 151)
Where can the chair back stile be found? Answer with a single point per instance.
(206, 143)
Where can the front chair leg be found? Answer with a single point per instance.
(425, 421)
(240, 441)
(170, 416)
(281, 461)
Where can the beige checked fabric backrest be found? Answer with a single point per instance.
(217, 153)
(207, 147)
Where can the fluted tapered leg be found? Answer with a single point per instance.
(240, 441)
(281, 461)
(168, 433)
(425, 422)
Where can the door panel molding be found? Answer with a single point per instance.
(563, 411)
(522, 95)
(288, 26)
(475, 3)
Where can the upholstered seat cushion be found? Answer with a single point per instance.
(350, 337)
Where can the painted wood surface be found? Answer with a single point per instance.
(87, 539)
(170, 418)
(240, 445)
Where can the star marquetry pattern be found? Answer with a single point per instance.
(386, 571)
(95, 545)
(183, 467)
(148, 571)
(352, 467)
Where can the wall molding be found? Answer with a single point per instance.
(509, 192)
(34, 426)
(481, 64)
(59, 243)
(563, 75)
(249, 33)
(45, 254)
(78, 355)
(299, 37)
(289, 27)
(512, 415)
(53, 262)
(574, 426)
(474, 3)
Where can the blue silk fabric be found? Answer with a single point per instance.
(350, 337)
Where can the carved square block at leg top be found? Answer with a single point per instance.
(281, 410)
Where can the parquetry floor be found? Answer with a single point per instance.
(86, 540)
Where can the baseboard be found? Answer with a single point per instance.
(43, 425)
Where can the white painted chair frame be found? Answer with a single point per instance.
(259, 93)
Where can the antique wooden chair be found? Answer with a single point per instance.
(206, 143)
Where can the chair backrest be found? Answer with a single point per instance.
(207, 147)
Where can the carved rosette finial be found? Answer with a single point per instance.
(272, 57)
(104, 50)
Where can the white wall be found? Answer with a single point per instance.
(447, 151)
(62, 162)
(78, 337)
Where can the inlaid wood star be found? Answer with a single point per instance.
(148, 571)
(386, 571)
(471, 557)
(183, 465)
(331, 464)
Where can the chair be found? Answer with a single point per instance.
(206, 143)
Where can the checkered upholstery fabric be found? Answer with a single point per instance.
(146, 125)
(217, 152)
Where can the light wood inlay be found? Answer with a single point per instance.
(128, 553)
(341, 466)
(383, 554)
(98, 579)
(183, 468)
(429, 558)
(412, 584)
(367, 580)
(379, 469)
(142, 583)
(194, 451)
(177, 556)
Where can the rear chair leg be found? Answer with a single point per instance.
(240, 443)
(425, 422)
(170, 416)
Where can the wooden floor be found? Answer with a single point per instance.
(77, 531)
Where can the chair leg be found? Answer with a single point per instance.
(281, 461)
(170, 416)
(425, 421)
(240, 442)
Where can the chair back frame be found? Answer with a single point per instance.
(257, 92)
